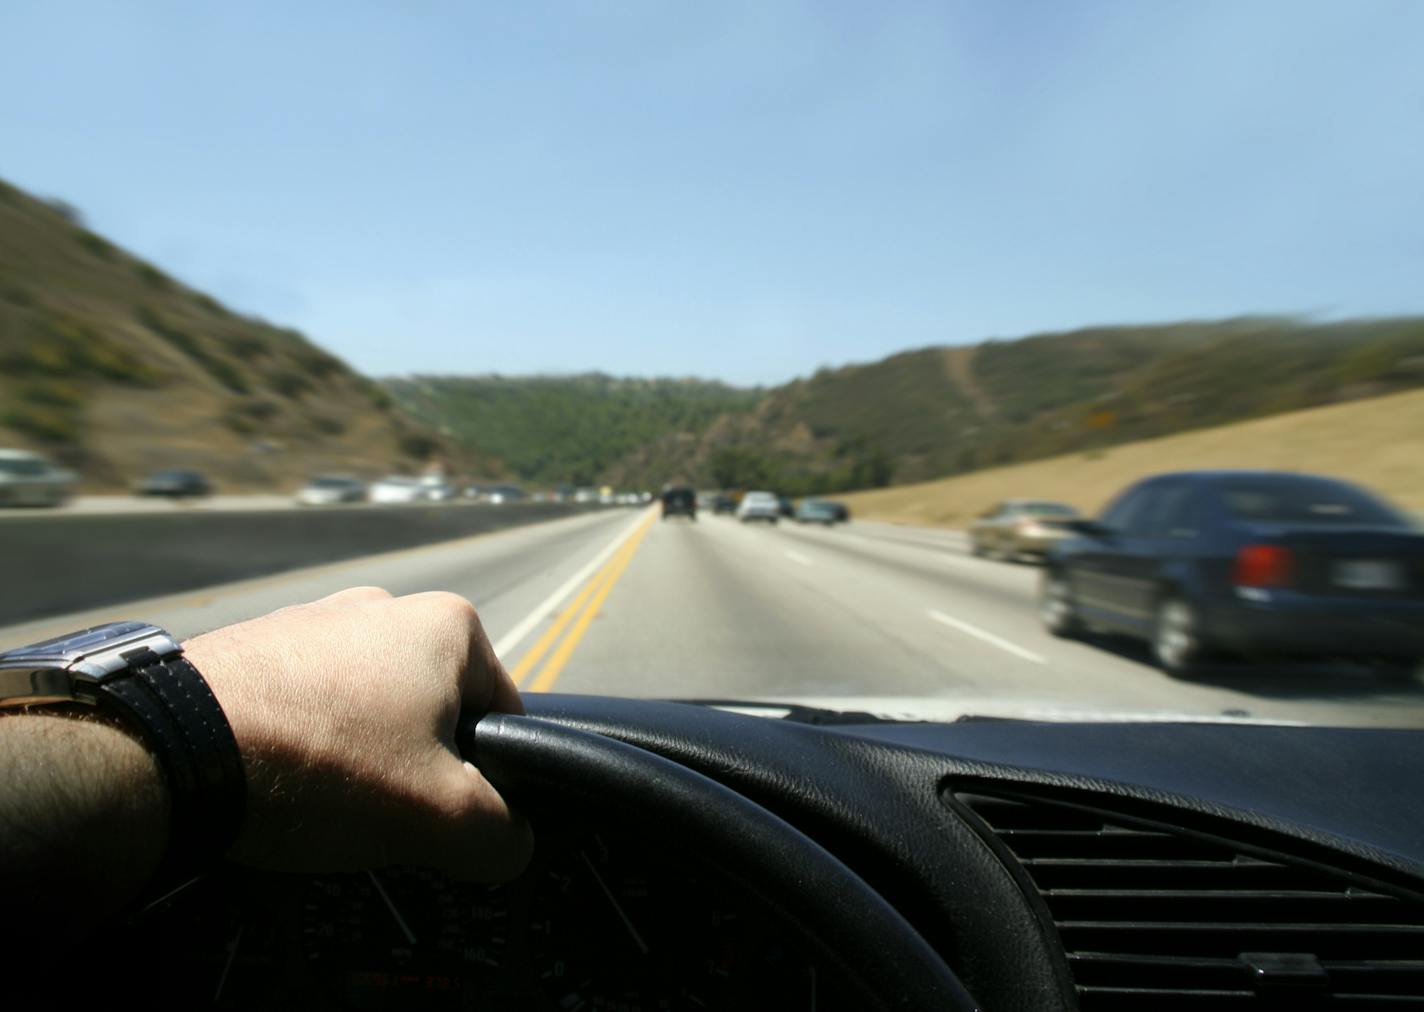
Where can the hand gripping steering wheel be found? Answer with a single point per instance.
(545, 767)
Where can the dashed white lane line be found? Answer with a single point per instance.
(797, 557)
(987, 637)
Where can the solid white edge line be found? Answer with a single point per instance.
(797, 557)
(511, 639)
(987, 637)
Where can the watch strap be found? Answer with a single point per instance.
(188, 734)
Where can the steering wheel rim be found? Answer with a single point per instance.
(545, 767)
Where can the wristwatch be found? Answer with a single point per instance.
(138, 673)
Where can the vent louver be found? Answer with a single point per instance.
(1167, 921)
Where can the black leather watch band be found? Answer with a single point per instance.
(189, 735)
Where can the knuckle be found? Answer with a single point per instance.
(453, 608)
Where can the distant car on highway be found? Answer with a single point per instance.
(1246, 562)
(434, 488)
(759, 506)
(28, 479)
(328, 489)
(175, 483)
(723, 503)
(816, 511)
(396, 488)
(1018, 527)
(497, 494)
(679, 501)
(785, 506)
(842, 511)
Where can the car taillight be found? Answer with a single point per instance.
(1264, 566)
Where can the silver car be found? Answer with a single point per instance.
(329, 489)
(759, 506)
(1018, 527)
(28, 479)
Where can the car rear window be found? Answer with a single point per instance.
(1300, 500)
(1048, 509)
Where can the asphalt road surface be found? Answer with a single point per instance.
(894, 620)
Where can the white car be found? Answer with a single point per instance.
(329, 489)
(434, 488)
(759, 506)
(28, 479)
(397, 488)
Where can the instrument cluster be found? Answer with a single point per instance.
(596, 923)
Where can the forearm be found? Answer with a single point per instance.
(83, 819)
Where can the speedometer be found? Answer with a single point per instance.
(613, 928)
(403, 937)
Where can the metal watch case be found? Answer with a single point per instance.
(71, 667)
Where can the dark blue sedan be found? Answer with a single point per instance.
(1243, 562)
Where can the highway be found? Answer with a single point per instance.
(894, 620)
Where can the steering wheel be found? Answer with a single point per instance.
(544, 767)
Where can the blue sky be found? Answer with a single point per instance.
(741, 190)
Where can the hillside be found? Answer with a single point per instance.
(1376, 442)
(943, 411)
(555, 429)
(116, 368)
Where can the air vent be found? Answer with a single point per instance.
(1158, 919)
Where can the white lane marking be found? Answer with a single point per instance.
(511, 639)
(797, 557)
(987, 637)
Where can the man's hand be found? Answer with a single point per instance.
(345, 712)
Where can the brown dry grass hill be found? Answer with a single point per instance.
(115, 368)
(1378, 443)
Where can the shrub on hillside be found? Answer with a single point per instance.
(95, 244)
(216, 366)
(48, 410)
(153, 277)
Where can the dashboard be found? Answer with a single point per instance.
(1050, 866)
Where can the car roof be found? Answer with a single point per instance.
(1226, 473)
(20, 455)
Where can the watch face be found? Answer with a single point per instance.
(63, 650)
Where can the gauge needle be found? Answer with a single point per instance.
(405, 928)
(637, 938)
(231, 955)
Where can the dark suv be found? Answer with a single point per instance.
(680, 501)
(1251, 562)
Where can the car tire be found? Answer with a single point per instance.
(1056, 609)
(1177, 643)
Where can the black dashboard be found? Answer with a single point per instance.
(1051, 866)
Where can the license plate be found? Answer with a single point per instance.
(1368, 574)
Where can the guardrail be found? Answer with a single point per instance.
(51, 564)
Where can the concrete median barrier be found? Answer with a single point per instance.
(57, 563)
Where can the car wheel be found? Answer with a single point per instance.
(1055, 606)
(1177, 644)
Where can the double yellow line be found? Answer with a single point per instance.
(580, 612)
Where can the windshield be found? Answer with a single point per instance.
(22, 467)
(748, 352)
(1294, 500)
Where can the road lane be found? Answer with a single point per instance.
(860, 616)
(725, 610)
